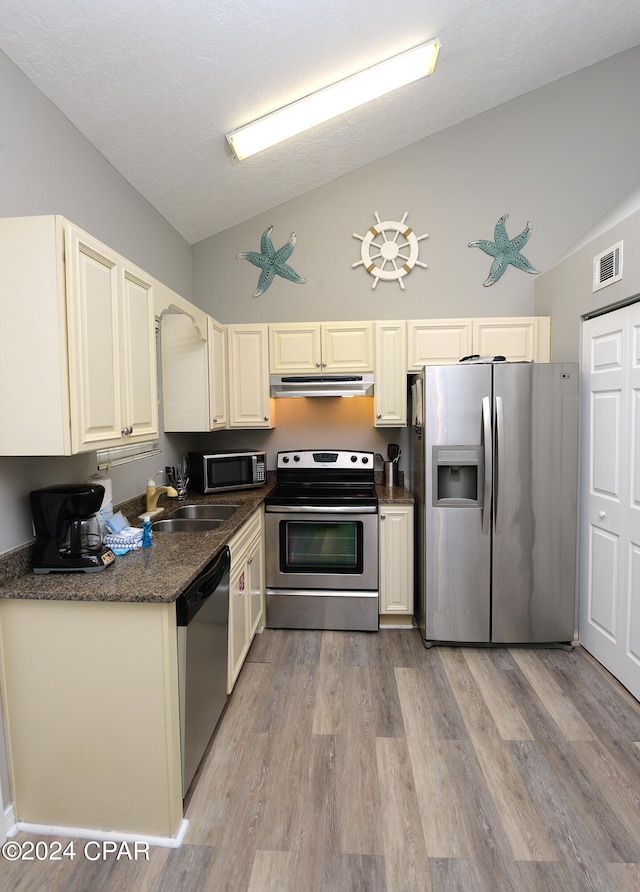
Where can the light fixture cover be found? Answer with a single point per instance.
(334, 100)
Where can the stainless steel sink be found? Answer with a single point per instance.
(186, 524)
(205, 512)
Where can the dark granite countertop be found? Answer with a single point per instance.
(389, 494)
(158, 574)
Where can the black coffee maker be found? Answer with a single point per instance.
(67, 531)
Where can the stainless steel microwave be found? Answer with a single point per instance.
(233, 469)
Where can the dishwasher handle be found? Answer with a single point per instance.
(203, 586)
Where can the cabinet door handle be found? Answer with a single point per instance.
(127, 431)
(383, 517)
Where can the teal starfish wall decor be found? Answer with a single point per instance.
(272, 262)
(505, 251)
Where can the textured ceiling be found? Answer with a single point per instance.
(154, 85)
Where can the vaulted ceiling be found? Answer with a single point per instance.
(154, 85)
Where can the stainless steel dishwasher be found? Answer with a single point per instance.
(203, 620)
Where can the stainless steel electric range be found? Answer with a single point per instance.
(321, 534)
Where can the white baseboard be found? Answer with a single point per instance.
(111, 835)
(9, 824)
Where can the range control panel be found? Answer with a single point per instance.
(334, 459)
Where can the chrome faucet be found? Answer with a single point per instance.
(154, 492)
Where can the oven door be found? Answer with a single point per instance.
(327, 551)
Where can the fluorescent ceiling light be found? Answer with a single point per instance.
(334, 100)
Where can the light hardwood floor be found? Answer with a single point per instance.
(359, 761)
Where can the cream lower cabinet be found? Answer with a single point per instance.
(78, 371)
(446, 341)
(92, 719)
(194, 375)
(250, 405)
(396, 559)
(320, 347)
(390, 396)
(246, 592)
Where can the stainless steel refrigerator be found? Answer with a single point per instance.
(494, 471)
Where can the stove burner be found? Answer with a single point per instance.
(331, 478)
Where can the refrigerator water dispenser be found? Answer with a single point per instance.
(456, 476)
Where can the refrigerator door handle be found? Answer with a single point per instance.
(498, 464)
(488, 465)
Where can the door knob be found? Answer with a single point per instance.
(602, 514)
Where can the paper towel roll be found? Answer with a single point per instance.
(107, 502)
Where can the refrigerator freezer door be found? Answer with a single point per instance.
(457, 552)
(535, 507)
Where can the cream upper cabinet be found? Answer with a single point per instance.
(249, 403)
(446, 341)
(218, 410)
(437, 341)
(315, 348)
(194, 374)
(111, 326)
(518, 338)
(79, 370)
(390, 395)
(396, 559)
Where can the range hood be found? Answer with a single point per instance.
(321, 385)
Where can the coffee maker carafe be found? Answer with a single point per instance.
(67, 532)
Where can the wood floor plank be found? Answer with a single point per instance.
(328, 715)
(490, 850)
(287, 784)
(441, 701)
(546, 732)
(499, 700)
(624, 877)
(608, 838)
(560, 708)
(187, 868)
(416, 712)
(453, 875)
(406, 861)
(360, 805)
(550, 876)
(308, 646)
(616, 782)
(272, 872)
(595, 694)
(570, 834)
(362, 873)
(440, 810)
(317, 834)
(527, 834)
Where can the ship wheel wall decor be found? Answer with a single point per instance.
(389, 250)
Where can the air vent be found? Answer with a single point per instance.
(607, 267)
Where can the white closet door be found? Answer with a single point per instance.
(610, 530)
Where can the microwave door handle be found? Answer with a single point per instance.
(254, 469)
(488, 465)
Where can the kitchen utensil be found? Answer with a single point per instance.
(393, 451)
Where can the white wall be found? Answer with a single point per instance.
(543, 157)
(566, 292)
(47, 167)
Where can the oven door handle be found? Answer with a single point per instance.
(321, 509)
